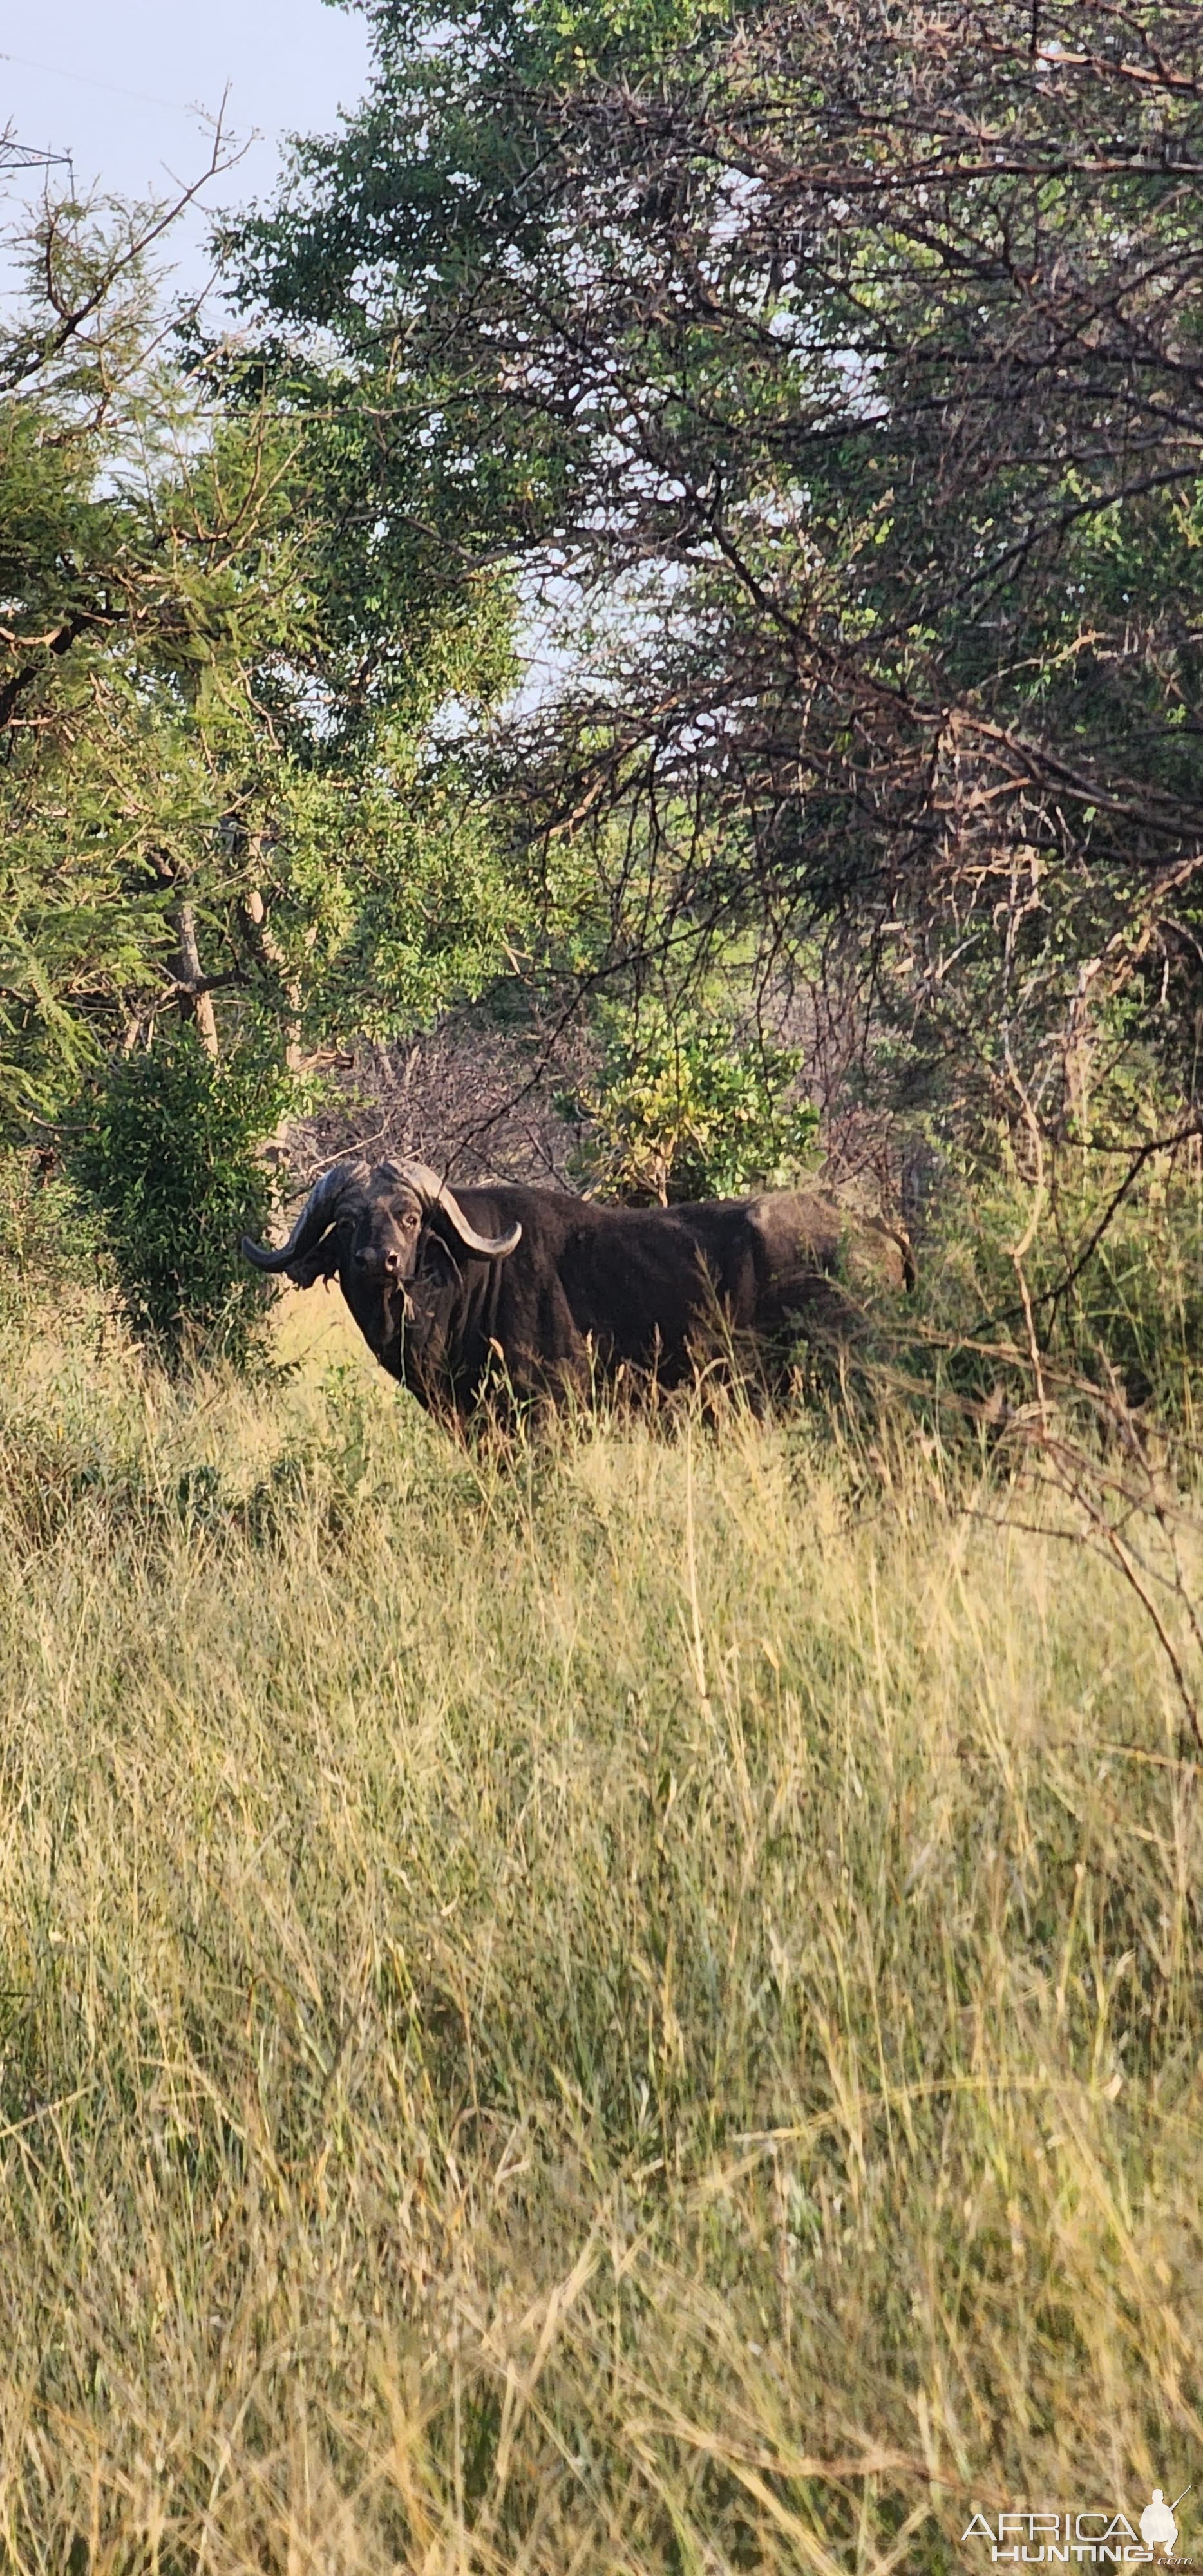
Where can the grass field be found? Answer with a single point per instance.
(627, 2005)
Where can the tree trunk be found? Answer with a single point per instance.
(195, 1005)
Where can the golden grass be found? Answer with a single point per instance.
(631, 2004)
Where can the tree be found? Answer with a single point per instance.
(224, 793)
(843, 358)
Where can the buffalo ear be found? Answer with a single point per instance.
(321, 1262)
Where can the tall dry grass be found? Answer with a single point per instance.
(630, 2004)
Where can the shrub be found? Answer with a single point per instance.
(50, 1249)
(170, 1157)
(1115, 1281)
(685, 1109)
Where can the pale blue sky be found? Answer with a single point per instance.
(117, 83)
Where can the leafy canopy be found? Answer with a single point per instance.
(838, 363)
(229, 791)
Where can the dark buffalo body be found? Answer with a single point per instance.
(547, 1292)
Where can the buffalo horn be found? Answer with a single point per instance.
(320, 1208)
(434, 1193)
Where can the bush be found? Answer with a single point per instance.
(50, 1249)
(1116, 1289)
(170, 1157)
(686, 1109)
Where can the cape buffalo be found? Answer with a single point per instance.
(449, 1287)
